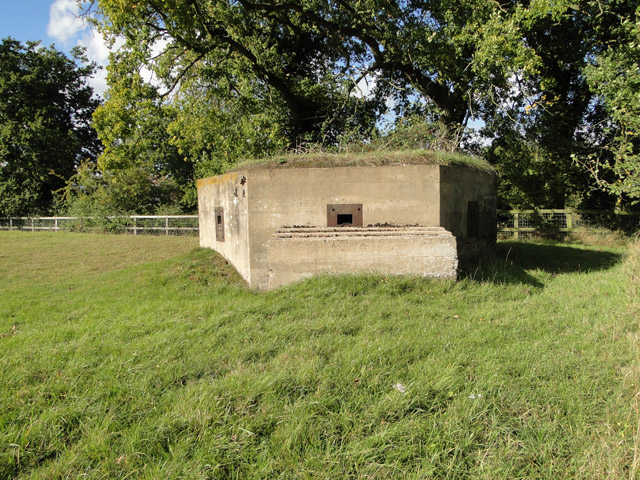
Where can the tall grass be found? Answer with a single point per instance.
(141, 358)
(367, 158)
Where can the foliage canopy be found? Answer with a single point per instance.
(45, 124)
(247, 78)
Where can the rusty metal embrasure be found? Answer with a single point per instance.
(346, 214)
(219, 213)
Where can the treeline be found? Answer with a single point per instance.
(550, 87)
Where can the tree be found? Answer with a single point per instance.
(554, 114)
(312, 53)
(132, 125)
(45, 124)
(197, 131)
(521, 66)
(614, 76)
(217, 127)
(291, 64)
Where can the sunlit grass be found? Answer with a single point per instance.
(140, 357)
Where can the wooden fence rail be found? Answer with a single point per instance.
(518, 224)
(135, 224)
(514, 224)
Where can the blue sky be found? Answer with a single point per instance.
(25, 20)
(53, 22)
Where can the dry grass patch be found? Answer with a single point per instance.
(362, 159)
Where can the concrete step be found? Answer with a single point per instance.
(300, 252)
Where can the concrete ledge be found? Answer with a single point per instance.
(358, 232)
(297, 253)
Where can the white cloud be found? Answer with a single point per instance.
(147, 72)
(97, 48)
(365, 87)
(64, 21)
(68, 27)
(98, 52)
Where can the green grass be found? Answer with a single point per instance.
(141, 357)
(375, 157)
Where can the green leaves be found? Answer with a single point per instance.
(45, 115)
(246, 78)
(614, 76)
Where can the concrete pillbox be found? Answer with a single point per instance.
(279, 225)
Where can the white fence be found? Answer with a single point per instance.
(515, 224)
(135, 224)
(523, 224)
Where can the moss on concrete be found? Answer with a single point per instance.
(364, 159)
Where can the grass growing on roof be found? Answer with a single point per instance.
(167, 366)
(378, 157)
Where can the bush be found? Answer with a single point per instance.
(103, 200)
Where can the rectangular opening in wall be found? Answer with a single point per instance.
(344, 219)
(472, 219)
(219, 214)
(345, 214)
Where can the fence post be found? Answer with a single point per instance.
(516, 226)
(32, 225)
(166, 224)
(135, 228)
(569, 219)
(55, 224)
(10, 223)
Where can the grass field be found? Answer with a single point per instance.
(143, 357)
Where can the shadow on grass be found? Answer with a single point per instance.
(512, 264)
(514, 260)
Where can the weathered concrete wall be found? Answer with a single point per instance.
(468, 209)
(295, 254)
(230, 192)
(395, 195)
